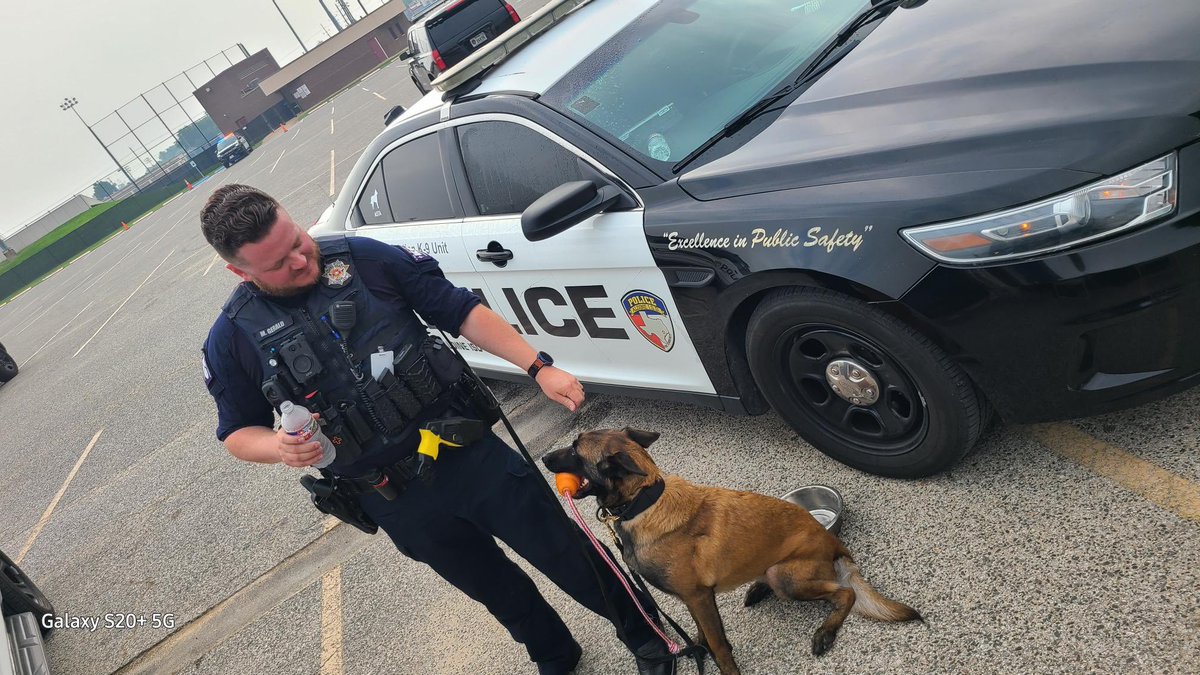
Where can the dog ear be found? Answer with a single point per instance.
(642, 438)
(618, 464)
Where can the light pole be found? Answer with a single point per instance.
(69, 104)
(289, 23)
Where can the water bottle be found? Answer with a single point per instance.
(297, 421)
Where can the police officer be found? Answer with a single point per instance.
(306, 325)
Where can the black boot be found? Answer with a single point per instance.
(653, 658)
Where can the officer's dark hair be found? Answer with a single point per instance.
(236, 215)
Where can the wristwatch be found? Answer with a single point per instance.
(543, 359)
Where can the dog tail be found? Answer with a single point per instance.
(868, 601)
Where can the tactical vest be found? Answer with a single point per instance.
(318, 354)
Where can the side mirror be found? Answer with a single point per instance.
(567, 205)
(405, 55)
(392, 114)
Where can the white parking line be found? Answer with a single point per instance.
(331, 126)
(37, 529)
(114, 266)
(380, 96)
(331, 617)
(216, 257)
(176, 265)
(365, 89)
(276, 162)
(332, 173)
(310, 181)
(60, 330)
(110, 316)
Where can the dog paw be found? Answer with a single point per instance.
(757, 592)
(823, 640)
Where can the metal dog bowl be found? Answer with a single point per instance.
(822, 501)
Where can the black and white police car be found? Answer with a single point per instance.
(884, 220)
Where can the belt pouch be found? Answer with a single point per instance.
(421, 381)
(446, 367)
(339, 434)
(356, 422)
(408, 404)
(384, 408)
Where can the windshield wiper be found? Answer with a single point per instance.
(819, 64)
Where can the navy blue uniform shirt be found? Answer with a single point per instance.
(396, 277)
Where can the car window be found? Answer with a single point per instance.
(416, 183)
(509, 166)
(418, 40)
(374, 207)
(226, 142)
(683, 70)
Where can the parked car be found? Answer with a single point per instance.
(886, 221)
(449, 33)
(8, 365)
(22, 606)
(232, 148)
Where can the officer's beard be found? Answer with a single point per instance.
(292, 291)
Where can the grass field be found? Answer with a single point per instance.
(58, 233)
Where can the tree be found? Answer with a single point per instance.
(103, 189)
(169, 152)
(200, 135)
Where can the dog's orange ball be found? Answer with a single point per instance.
(566, 483)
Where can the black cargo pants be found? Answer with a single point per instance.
(487, 490)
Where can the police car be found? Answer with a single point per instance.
(884, 220)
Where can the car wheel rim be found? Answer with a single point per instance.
(876, 406)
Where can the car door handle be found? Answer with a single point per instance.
(494, 256)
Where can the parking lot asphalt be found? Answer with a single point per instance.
(1062, 548)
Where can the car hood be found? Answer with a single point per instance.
(1069, 88)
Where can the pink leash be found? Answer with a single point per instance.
(672, 646)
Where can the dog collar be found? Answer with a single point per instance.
(640, 502)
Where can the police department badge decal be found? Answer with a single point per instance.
(337, 273)
(650, 317)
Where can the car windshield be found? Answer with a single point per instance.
(683, 70)
(226, 142)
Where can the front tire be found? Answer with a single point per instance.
(21, 594)
(901, 407)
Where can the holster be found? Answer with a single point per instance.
(338, 497)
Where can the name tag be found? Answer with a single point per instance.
(381, 361)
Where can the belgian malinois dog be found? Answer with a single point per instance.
(694, 541)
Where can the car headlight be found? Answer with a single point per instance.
(1097, 210)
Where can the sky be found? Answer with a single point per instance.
(105, 54)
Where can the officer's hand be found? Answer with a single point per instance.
(561, 387)
(295, 452)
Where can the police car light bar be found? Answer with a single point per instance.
(506, 43)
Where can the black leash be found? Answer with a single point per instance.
(691, 649)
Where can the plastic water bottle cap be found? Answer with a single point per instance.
(286, 407)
